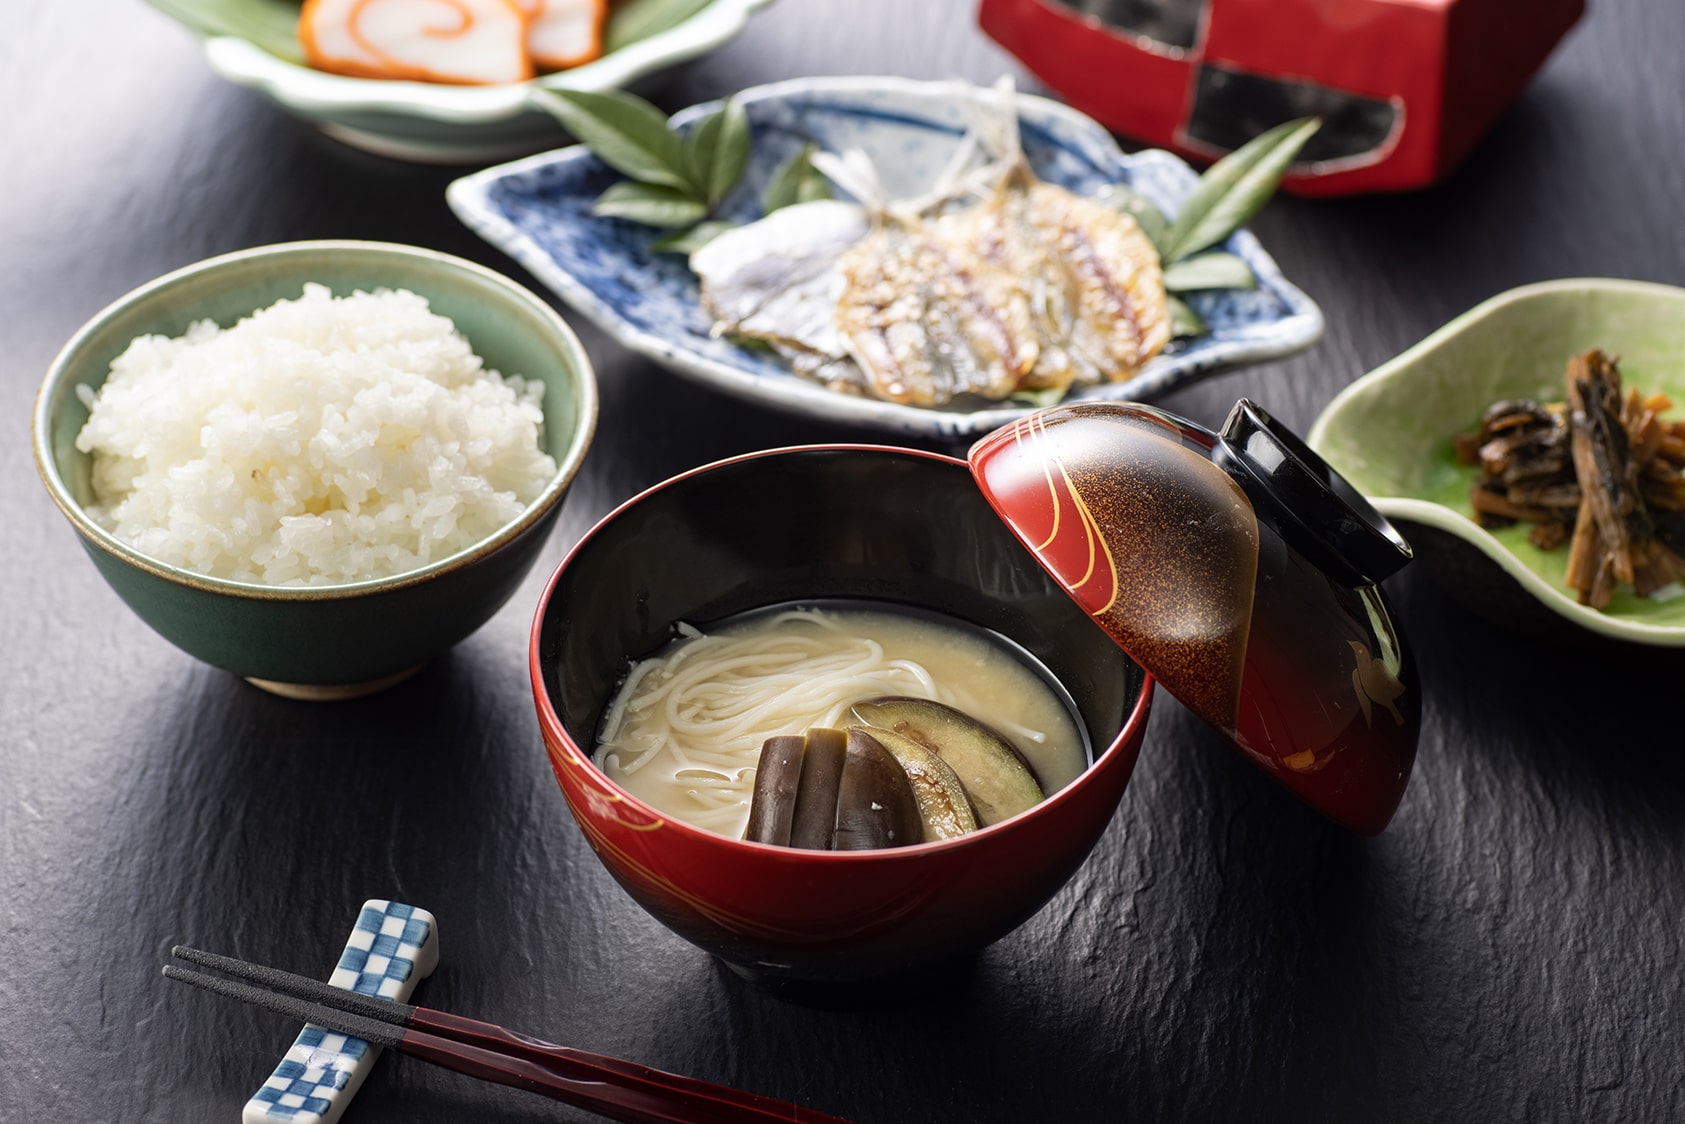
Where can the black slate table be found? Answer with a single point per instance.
(1508, 949)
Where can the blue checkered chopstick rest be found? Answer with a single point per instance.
(392, 948)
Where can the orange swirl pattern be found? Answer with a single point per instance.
(360, 10)
(463, 42)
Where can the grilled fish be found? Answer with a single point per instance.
(1029, 288)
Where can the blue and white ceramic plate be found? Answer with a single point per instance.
(538, 211)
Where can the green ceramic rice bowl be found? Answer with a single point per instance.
(326, 640)
(1389, 433)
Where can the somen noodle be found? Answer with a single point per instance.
(684, 731)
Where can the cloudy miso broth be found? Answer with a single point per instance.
(684, 730)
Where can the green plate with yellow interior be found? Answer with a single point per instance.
(1390, 434)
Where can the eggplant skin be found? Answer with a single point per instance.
(773, 806)
(814, 821)
(996, 777)
(875, 803)
(943, 804)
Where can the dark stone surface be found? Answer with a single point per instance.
(1509, 949)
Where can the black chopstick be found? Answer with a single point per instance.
(615, 1088)
(391, 1011)
(378, 1031)
(302, 987)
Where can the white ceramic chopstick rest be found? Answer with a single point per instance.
(392, 948)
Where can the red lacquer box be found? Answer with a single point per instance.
(1405, 87)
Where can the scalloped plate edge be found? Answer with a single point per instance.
(1443, 518)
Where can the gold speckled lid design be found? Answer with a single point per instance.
(1239, 571)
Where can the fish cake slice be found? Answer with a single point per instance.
(460, 42)
(564, 33)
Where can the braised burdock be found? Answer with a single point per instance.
(1599, 472)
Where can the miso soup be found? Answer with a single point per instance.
(685, 728)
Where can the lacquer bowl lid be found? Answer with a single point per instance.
(1241, 571)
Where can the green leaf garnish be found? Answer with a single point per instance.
(271, 25)
(624, 131)
(781, 188)
(813, 187)
(795, 181)
(730, 152)
(672, 181)
(1234, 188)
(1184, 321)
(1213, 270)
(751, 343)
(689, 241)
(1149, 218)
(699, 145)
(1040, 399)
(632, 20)
(651, 204)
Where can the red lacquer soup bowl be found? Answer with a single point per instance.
(823, 523)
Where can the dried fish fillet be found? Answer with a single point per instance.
(927, 320)
(1031, 288)
(777, 279)
(1087, 273)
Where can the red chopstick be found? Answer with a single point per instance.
(620, 1090)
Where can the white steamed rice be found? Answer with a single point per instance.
(321, 440)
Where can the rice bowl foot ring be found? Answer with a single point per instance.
(391, 949)
(334, 692)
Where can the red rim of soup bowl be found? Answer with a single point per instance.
(780, 911)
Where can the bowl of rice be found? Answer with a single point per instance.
(320, 464)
